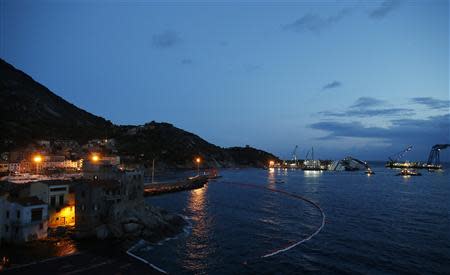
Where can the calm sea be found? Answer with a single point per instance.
(380, 224)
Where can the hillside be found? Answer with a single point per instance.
(30, 111)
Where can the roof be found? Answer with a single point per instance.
(109, 184)
(55, 182)
(26, 201)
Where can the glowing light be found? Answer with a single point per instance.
(95, 158)
(198, 160)
(37, 158)
(271, 163)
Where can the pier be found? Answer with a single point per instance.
(154, 189)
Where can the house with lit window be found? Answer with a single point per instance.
(61, 202)
(24, 219)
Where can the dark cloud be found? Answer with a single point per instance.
(432, 103)
(332, 85)
(370, 112)
(316, 23)
(369, 107)
(428, 131)
(166, 39)
(252, 68)
(384, 9)
(186, 61)
(367, 102)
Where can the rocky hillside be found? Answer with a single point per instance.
(176, 148)
(30, 111)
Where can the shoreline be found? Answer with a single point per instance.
(62, 246)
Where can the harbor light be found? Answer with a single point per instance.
(37, 158)
(95, 158)
(198, 160)
(271, 163)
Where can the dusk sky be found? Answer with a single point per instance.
(360, 78)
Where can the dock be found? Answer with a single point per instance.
(160, 188)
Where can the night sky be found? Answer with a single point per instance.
(360, 78)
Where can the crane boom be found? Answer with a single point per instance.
(294, 154)
(399, 155)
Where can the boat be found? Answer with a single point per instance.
(369, 172)
(408, 172)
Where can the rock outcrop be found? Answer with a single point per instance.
(130, 222)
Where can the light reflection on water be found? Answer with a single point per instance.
(369, 219)
(197, 250)
(312, 174)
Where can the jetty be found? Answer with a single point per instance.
(154, 189)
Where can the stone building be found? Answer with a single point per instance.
(97, 196)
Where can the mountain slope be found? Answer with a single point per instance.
(175, 147)
(29, 111)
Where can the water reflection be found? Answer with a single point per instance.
(312, 174)
(271, 179)
(197, 245)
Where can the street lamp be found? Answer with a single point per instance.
(95, 158)
(198, 160)
(37, 159)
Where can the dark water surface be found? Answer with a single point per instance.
(380, 224)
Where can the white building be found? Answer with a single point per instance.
(14, 167)
(24, 219)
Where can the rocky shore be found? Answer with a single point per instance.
(132, 222)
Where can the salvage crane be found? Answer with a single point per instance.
(393, 160)
(434, 159)
(294, 155)
(399, 155)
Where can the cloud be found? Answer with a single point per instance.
(371, 112)
(186, 61)
(432, 103)
(252, 68)
(384, 9)
(366, 102)
(316, 23)
(428, 131)
(369, 107)
(166, 39)
(332, 85)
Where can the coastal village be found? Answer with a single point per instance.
(54, 184)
